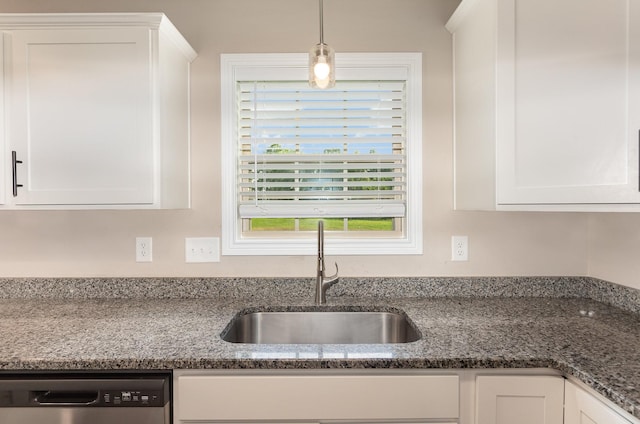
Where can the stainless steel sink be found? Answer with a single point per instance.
(321, 327)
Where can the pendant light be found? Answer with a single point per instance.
(322, 62)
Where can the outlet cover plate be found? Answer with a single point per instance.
(202, 249)
(459, 248)
(144, 249)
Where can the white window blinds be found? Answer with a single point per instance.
(313, 153)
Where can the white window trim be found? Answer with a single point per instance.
(235, 67)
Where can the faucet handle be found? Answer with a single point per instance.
(334, 276)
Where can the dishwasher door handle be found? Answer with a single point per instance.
(64, 398)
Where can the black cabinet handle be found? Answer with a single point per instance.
(14, 168)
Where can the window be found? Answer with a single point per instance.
(349, 155)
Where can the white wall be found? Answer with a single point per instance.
(614, 248)
(101, 243)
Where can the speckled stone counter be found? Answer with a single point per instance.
(77, 329)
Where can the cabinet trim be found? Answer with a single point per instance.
(153, 21)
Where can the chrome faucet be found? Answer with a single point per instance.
(322, 282)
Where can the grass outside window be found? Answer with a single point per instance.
(330, 224)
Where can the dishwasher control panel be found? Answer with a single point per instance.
(131, 398)
(82, 391)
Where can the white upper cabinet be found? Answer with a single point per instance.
(547, 107)
(96, 111)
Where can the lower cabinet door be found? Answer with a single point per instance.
(313, 398)
(583, 408)
(519, 399)
(315, 422)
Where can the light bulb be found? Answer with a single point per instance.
(321, 69)
(323, 83)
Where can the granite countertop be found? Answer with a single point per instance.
(70, 333)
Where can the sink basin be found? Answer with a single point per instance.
(321, 327)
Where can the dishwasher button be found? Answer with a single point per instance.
(126, 396)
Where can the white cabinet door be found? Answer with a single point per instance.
(547, 107)
(317, 422)
(519, 399)
(5, 171)
(567, 103)
(583, 408)
(309, 398)
(81, 116)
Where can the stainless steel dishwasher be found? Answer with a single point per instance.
(82, 398)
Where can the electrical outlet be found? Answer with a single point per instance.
(201, 249)
(459, 248)
(144, 249)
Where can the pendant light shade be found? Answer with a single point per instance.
(322, 66)
(322, 62)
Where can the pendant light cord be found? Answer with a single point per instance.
(321, 24)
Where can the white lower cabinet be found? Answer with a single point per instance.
(399, 396)
(203, 398)
(519, 399)
(582, 407)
